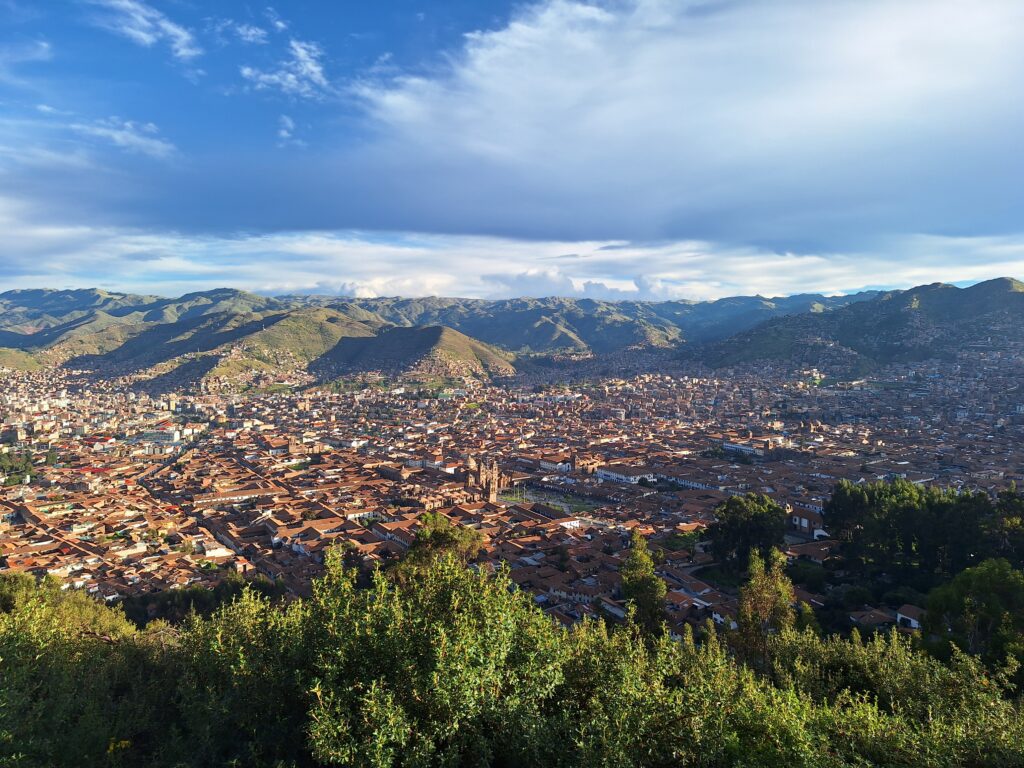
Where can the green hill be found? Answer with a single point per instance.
(588, 325)
(308, 334)
(17, 360)
(96, 322)
(240, 331)
(930, 321)
(429, 351)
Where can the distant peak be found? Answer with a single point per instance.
(999, 285)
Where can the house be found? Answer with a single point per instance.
(909, 616)
(808, 523)
(814, 551)
(873, 618)
(624, 473)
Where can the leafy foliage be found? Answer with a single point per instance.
(982, 611)
(766, 606)
(455, 667)
(642, 587)
(437, 538)
(753, 522)
(16, 467)
(924, 535)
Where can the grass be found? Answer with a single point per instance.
(679, 541)
(571, 503)
(17, 360)
(718, 576)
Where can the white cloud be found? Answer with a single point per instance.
(286, 127)
(286, 130)
(301, 74)
(223, 30)
(15, 55)
(622, 148)
(279, 24)
(249, 33)
(141, 138)
(775, 122)
(35, 252)
(145, 25)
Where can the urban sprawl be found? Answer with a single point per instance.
(124, 494)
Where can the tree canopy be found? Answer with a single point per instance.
(642, 587)
(924, 534)
(456, 667)
(753, 522)
(981, 611)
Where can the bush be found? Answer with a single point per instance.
(455, 667)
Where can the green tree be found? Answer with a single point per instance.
(456, 667)
(436, 538)
(642, 587)
(922, 536)
(753, 522)
(242, 692)
(80, 685)
(1005, 530)
(766, 606)
(451, 669)
(806, 620)
(981, 611)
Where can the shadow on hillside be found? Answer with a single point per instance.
(165, 342)
(392, 349)
(44, 337)
(181, 377)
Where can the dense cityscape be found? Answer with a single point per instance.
(123, 494)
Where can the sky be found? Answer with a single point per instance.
(623, 149)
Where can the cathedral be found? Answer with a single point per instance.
(486, 477)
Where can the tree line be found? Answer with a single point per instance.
(957, 554)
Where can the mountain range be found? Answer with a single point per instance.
(229, 333)
(930, 321)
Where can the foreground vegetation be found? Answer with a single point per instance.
(448, 666)
(959, 555)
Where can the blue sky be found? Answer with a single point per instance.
(616, 148)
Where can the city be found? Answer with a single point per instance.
(127, 494)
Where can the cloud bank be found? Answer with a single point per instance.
(791, 122)
(364, 264)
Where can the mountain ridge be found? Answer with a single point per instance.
(228, 332)
(928, 321)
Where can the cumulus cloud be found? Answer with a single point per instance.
(300, 74)
(145, 25)
(792, 123)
